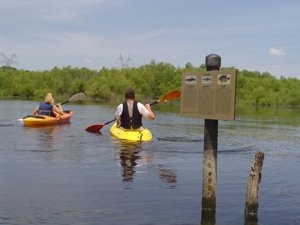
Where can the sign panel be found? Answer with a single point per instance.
(208, 94)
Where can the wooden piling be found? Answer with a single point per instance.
(254, 179)
(210, 165)
(209, 180)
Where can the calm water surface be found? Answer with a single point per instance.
(64, 175)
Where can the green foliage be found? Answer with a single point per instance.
(264, 89)
(150, 82)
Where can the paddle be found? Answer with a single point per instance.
(167, 97)
(73, 98)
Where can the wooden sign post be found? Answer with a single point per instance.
(210, 152)
(209, 95)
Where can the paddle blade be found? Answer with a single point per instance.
(95, 128)
(77, 97)
(170, 96)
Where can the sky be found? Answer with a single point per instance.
(256, 35)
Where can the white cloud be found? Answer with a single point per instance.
(277, 52)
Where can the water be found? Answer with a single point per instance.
(64, 175)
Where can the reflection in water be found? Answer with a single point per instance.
(178, 139)
(167, 175)
(46, 137)
(129, 154)
(132, 155)
(251, 221)
(267, 115)
(208, 217)
(128, 160)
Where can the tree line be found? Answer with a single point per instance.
(150, 81)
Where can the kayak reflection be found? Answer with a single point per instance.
(133, 155)
(129, 154)
(47, 137)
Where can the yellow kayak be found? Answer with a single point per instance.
(130, 135)
(41, 120)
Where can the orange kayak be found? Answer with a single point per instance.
(41, 120)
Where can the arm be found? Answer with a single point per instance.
(58, 109)
(151, 115)
(118, 114)
(35, 111)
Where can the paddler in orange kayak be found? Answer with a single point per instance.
(48, 108)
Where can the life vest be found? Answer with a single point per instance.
(133, 122)
(45, 109)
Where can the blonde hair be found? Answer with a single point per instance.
(49, 99)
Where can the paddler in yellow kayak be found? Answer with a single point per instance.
(48, 108)
(129, 113)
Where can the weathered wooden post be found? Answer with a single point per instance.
(254, 179)
(209, 182)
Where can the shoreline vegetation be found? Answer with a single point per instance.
(150, 82)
